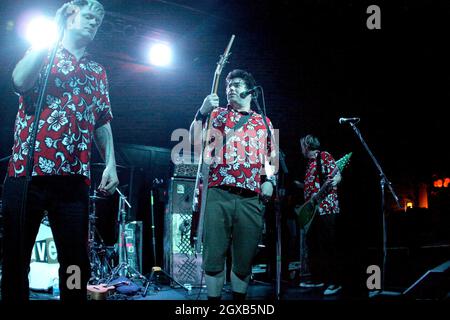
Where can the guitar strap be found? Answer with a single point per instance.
(237, 126)
(319, 167)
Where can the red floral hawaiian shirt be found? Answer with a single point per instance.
(330, 202)
(76, 103)
(240, 162)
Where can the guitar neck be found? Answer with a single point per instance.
(203, 170)
(340, 165)
(326, 184)
(215, 84)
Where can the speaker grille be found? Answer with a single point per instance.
(180, 259)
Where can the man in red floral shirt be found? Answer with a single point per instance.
(241, 178)
(321, 235)
(75, 113)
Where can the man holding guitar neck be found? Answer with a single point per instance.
(237, 192)
(321, 235)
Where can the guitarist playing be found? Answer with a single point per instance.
(237, 189)
(321, 235)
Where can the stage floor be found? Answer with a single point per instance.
(257, 291)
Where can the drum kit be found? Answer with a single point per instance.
(107, 262)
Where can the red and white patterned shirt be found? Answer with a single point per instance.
(330, 202)
(245, 153)
(76, 103)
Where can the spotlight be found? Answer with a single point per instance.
(160, 55)
(9, 25)
(41, 32)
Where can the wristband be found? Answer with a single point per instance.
(199, 116)
(272, 180)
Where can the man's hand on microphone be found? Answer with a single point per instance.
(63, 13)
(210, 102)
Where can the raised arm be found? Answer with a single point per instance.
(26, 72)
(195, 130)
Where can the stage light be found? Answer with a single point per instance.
(10, 25)
(160, 55)
(446, 182)
(438, 183)
(41, 32)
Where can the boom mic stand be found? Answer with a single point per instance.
(279, 192)
(383, 183)
(156, 181)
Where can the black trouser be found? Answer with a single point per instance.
(66, 200)
(321, 241)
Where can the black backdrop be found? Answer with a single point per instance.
(316, 60)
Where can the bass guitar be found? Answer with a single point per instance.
(201, 182)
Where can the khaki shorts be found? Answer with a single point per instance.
(231, 219)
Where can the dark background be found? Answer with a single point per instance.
(317, 62)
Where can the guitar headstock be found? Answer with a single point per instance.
(222, 61)
(344, 161)
(224, 57)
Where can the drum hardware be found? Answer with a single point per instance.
(123, 269)
(100, 255)
(101, 166)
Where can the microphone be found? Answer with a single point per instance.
(70, 10)
(245, 93)
(345, 120)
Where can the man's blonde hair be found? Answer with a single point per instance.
(92, 4)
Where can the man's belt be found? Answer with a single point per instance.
(239, 191)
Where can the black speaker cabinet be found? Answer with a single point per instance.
(180, 260)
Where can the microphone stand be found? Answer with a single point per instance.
(152, 216)
(31, 146)
(279, 192)
(5, 158)
(384, 181)
(155, 269)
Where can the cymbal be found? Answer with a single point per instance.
(102, 165)
(95, 197)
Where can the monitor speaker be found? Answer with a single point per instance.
(433, 284)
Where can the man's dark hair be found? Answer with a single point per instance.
(311, 142)
(244, 75)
